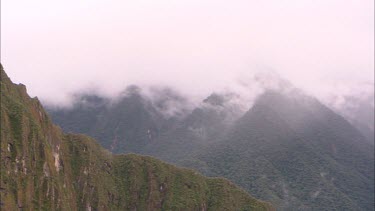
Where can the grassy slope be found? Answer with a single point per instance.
(44, 169)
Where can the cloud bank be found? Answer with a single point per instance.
(58, 48)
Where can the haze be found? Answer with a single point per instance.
(59, 47)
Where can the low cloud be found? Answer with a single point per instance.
(195, 47)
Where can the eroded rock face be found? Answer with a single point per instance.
(46, 170)
(9, 147)
(56, 157)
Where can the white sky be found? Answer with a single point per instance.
(198, 46)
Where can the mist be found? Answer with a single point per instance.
(57, 49)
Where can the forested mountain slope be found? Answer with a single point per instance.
(295, 152)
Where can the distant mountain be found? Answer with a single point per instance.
(43, 168)
(134, 122)
(84, 115)
(292, 150)
(126, 125)
(203, 126)
(358, 109)
(288, 148)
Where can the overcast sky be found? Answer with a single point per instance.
(58, 47)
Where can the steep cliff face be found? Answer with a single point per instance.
(44, 169)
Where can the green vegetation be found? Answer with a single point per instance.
(288, 149)
(295, 153)
(45, 169)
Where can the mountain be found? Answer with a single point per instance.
(84, 116)
(43, 168)
(128, 124)
(288, 148)
(358, 109)
(292, 150)
(136, 123)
